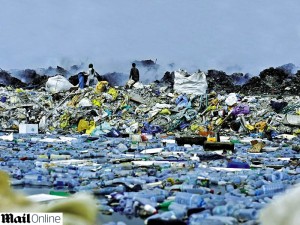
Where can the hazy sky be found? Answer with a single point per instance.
(229, 35)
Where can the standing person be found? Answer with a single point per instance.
(92, 80)
(134, 75)
(87, 78)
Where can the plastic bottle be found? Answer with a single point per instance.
(190, 200)
(198, 190)
(88, 174)
(271, 189)
(105, 209)
(227, 210)
(166, 216)
(165, 205)
(229, 188)
(154, 196)
(129, 207)
(238, 164)
(61, 182)
(246, 214)
(36, 180)
(179, 210)
(278, 176)
(108, 190)
(217, 220)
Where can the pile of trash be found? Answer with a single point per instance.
(173, 150)
(182, 106)
(285, 78)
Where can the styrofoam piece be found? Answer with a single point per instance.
(44, 197)
(152, 151)
(28, 128)
(286, 136)
(187, 146)
(176, 153)
(269, 149)
(284, 159)
(227, 169)
(224, 139)
(149, 163)
(169, 141)
(8, 137)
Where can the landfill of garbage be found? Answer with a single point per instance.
(187, 149)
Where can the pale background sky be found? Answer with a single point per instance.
(230, 35)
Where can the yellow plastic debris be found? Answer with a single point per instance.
(256, 146)
(165, 112)
(82, 125)
(211, 107)
(19, 90)
(91, 127)
(64, 120)
(96, 102)
(260, 126)
(219, 121)
(211, 139)
(249, 127)
(113, 92)
(214, 102)
(171, 180)
(298, 111)
(194, 127)
(100, 87)
(74, 101)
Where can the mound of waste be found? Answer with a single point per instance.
(281, 80)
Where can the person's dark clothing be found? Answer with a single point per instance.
(134, 74)
(168, 79)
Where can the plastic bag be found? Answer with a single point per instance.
(151, 129)
(130, 82)
(113, 92)
(100, 87)
(241, 109)
(182, 102)
(58, 84)
(91, 127)
(194, 84)
(82, 125)
(231, 99)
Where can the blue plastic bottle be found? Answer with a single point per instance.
(246, 214)
(179, 209)
(190, 200)
(109, 190)
(271, 189)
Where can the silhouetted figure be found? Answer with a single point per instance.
(134, 76)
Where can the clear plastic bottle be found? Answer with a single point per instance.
(179, 210)
(129, 207)
(155, 196)
(190, 200)
(271, 189)
(166, 216)
(246, 214)
(108, 190)
(36, 180)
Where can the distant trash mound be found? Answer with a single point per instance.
(281, 80)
